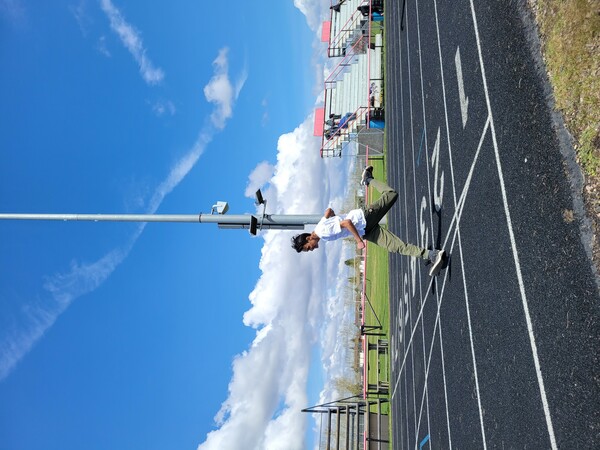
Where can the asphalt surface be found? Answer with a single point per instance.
(501, 350)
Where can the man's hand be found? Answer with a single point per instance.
(347, 224)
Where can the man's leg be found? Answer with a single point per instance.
(375, 211)
(393, 244)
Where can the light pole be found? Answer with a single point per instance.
(245, 221)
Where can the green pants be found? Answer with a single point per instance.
(380, 236)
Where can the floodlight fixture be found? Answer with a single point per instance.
(253, 225)
(259, 198)
(220, 208)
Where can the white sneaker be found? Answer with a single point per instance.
(367, 176)
(436, 257)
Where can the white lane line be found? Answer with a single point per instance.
(398, 338)
(513, 244)
(415, 192)
(461, 200)
(438, 205)
(464, 100)
(439, 302)
(438, 315)
(435, 327)
(455, 219)
(439, 305)
(468, 306)
(464, 106)
(400, 375)
(395, 166)
(439, 199)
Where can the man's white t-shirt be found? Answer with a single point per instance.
(330, 229)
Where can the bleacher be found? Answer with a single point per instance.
(355, 84)
(353, 423)
(343, 25)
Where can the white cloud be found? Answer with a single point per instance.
(239, 84)
(314, 10)
(265, 116)
(258, 178)
(268, 387)
(102, 48)
(132, 41)
(181, 168)
(221, 92)
(162, 107)
(81, 16)
(83, 278)
(13, 10)
(63, 289)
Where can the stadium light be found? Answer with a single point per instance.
(259, 198)
(220, 208)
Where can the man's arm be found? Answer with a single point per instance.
(348, 225)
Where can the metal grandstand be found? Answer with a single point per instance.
(355, 85)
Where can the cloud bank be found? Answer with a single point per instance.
(289, 305)
(314, 10)
(82, 278)
(132, 41)
(298, 302)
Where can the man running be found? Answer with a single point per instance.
(363, 223)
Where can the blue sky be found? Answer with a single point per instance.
(164, 336)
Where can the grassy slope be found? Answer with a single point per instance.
(570, 36)
(570, 31)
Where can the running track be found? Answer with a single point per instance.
(501, 350)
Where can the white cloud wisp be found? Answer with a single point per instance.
(82, 278)
(13, 10)
(221, 92)
(132, 41)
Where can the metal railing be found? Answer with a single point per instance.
(334, 144)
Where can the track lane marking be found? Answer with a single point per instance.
(513, 244)
(410, 96)
(464, 100)
(455, 219)
(462, 261)
(403, 330)
(437, 199)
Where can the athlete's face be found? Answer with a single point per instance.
(311, 243)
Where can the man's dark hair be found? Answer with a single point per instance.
(299, 240)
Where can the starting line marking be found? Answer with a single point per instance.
(455, 219)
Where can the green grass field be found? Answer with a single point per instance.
(377, 274)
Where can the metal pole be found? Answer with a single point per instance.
(271, 221)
